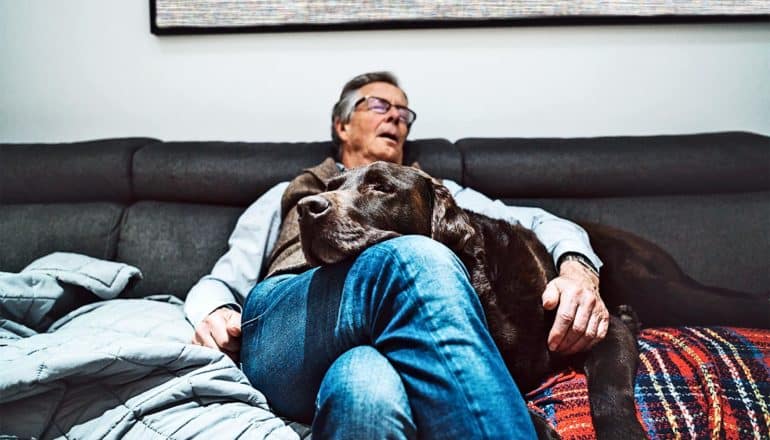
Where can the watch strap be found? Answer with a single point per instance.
(580, 258)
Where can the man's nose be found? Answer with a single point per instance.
(393, 115)
(313, 207)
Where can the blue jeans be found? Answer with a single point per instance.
(410, 299)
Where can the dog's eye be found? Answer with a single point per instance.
(383, 187)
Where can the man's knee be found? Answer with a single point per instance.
(415, 250)
(425, 268)
(362, 375)
(360, 391)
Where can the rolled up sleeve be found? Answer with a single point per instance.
(238, 270)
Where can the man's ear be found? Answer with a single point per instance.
(341, 129)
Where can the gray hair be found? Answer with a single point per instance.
(343, 109)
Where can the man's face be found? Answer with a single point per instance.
(370, 136)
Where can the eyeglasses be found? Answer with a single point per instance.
(382, 106)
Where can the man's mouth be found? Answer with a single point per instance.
(391, 136)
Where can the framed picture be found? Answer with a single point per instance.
(217, 16)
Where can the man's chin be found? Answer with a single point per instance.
(389, 151)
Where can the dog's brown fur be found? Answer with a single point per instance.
(509, 269)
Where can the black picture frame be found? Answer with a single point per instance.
(718, 12)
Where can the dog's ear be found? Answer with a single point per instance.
(449, 223)
(416, 165)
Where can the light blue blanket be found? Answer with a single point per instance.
(119, 368)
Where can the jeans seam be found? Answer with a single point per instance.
(249, 321)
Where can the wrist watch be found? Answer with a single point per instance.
(574, 256)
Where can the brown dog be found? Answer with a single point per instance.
(509, 270)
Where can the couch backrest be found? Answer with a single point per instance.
(165, 207)
(705, 198)
(63, 197)
(169, 207)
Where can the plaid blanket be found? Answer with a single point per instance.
(692, 383)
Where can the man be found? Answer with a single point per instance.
(321, 334)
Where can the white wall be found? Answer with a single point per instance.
(83, 69)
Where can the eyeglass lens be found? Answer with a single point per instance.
(382, 106)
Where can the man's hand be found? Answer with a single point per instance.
(221, 330)
(582, 318)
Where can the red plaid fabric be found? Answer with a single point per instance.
(692, 383)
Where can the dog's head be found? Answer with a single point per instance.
(367, 205)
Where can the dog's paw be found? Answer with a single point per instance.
(629, 318)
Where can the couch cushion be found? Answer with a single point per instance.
(30, 231)
(236, 173)
(173, 244)
(617, 166)
(80, 171)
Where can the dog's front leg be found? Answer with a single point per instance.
(543, 429)
(610, 369)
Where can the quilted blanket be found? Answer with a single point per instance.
(122, 369)
(692, 383)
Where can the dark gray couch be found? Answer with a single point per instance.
(168, 207)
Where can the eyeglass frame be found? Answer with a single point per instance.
(390, 104)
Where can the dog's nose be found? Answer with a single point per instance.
(314, 206)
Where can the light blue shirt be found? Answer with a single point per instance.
(255, 234)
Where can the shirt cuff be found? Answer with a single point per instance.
(576, 247)
(205, 297)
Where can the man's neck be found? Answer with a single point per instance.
(353, 160)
